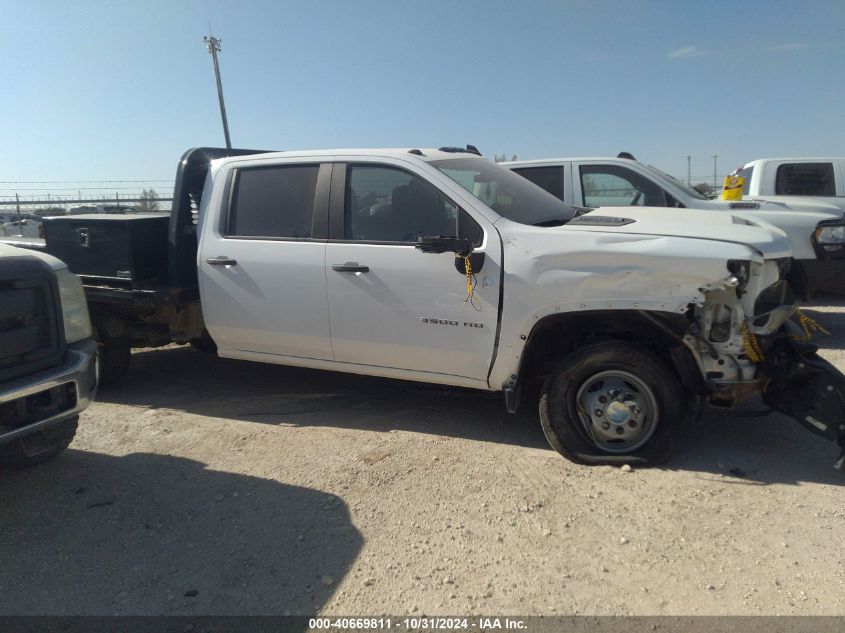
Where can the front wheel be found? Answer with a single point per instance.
(610, 403)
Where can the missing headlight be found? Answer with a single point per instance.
(741, 269)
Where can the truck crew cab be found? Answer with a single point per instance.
(624, 181)
(48, 360)
(440, 266)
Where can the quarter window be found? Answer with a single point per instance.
(275, 201)
(470, 229)
(549, 178)
(805, 179)
(385, 204)
(746, 185)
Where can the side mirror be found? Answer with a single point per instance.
(444, 244)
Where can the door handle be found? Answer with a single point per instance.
(350, 267)
(221, 260)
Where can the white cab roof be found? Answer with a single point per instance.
(426, 154)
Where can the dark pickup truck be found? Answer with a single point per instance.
(48, 361)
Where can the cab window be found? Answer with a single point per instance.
(746, 174)
(614, 186)
(387, 204)
(549, 178)
(275, 201)
(805, 179)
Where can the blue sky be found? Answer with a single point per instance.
(117, 90)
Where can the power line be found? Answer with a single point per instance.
(77, 188)
(73, 182)
(74, 201)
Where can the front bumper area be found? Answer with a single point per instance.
(807, 388)
(51, 396)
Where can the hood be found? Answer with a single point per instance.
(763, 237)
(775, 203)
(832, 205)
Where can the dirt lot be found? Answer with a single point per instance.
(209, 486)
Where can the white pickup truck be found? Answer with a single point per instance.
(815, 227)
(796, 181)
(440, 266)
(820, 179)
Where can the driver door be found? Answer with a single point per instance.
(391, 305)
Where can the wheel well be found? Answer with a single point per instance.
(556, 335)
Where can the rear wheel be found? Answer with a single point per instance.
(610, 403)
(40, 446)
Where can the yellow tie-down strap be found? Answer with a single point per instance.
(809, 325)
(751, 346)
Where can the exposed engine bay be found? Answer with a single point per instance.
(750, 338)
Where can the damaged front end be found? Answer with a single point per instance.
(750, 339)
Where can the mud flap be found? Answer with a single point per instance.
(807, 388)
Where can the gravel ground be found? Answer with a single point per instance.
(209, 486)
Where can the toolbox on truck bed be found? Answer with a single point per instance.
(121, 250)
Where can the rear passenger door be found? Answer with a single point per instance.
(262, 262)
(393, 306)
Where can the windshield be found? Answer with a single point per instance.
(508, 194)
(693, 193)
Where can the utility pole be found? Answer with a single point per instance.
(18, 205)
(689, 171)
(715, 170)
(213, 45)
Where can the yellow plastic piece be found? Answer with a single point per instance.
(733, 187)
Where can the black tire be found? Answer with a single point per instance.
(114, 349)
(39, 446)
(645, 380)
(204, 344)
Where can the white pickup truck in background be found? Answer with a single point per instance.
(812, 177)
(815, 227)
(819, 179)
